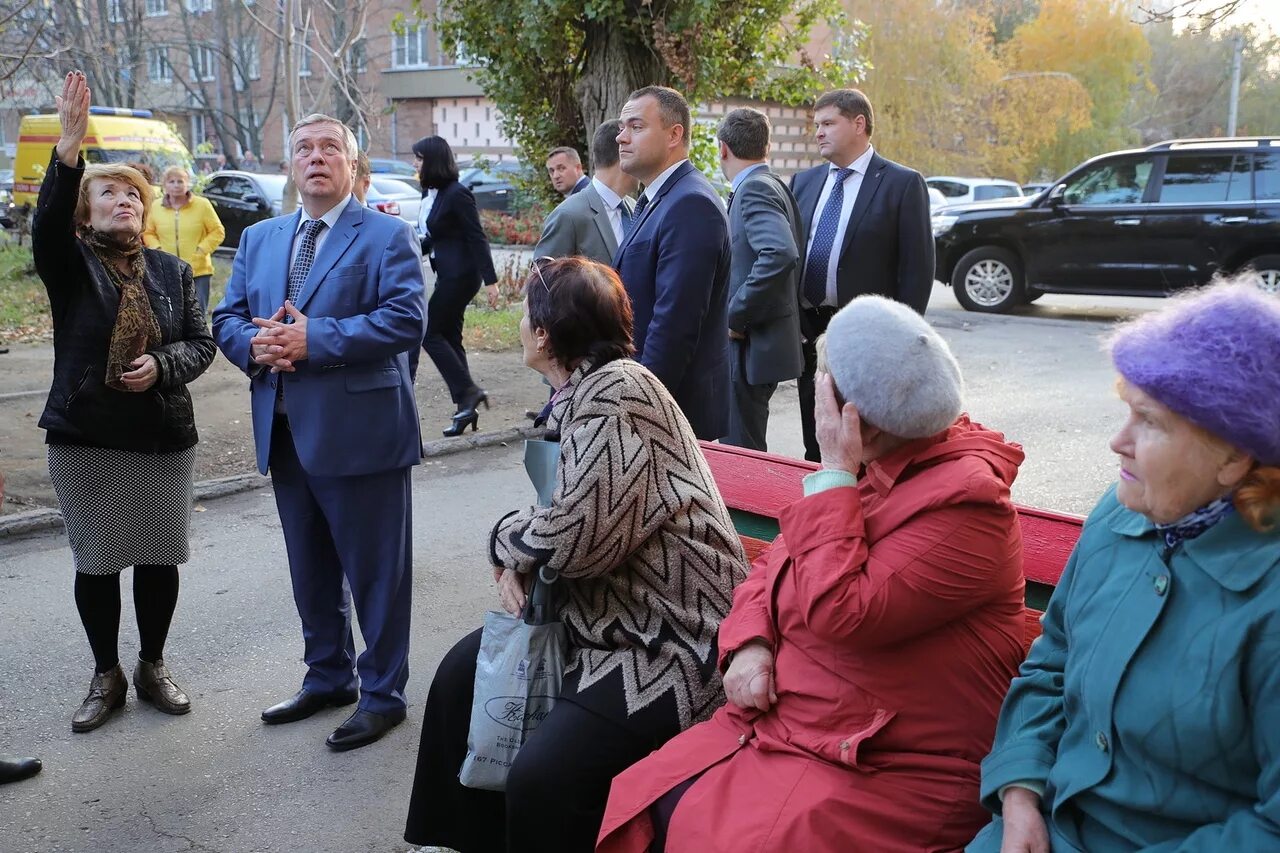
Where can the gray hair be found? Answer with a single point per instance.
(353, 148)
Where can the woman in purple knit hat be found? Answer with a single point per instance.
(1147, 715)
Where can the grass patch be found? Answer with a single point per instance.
(24, 306)
(492, 330)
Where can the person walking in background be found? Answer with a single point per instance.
(185, 224)
(453, 240)
(322, 309)
(129, 335)
(591, 223)
(764, 307)
(865, 221)
(674, 260)
(564, 167)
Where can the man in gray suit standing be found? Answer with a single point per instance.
(764, 272)
(591, 223)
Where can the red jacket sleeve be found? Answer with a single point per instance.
(751, 617)
(937, 566)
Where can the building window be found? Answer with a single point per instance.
(248, 64)
(304, 59)
(199, 6)
(410, 50)
(115, 11)
(358, 58)
(199, 130)
(156, 8)
(158, 67)
(202, 63)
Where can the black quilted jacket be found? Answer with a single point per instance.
(81, 409)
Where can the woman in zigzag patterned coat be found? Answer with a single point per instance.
(648, 559)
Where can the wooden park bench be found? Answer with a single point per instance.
(757, 486)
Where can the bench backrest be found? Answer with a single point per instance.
(757, 486)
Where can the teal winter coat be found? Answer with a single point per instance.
(1150, 707)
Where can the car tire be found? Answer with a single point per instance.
(1029, 295)
(1267, 270)
(989, 280)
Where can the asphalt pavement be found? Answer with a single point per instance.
(218, 780)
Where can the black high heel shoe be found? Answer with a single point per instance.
(462, 420)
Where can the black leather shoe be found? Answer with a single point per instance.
(304, 703)
(363, 728)
(17, 769)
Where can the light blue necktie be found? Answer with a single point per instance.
(824, 240)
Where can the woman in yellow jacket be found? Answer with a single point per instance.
(184, 224)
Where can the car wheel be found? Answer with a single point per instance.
(988, 279)
(1266, 268)
(1030, 295)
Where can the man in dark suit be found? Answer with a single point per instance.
(564, 168)
(764, 307)
(674, 261)
(321, 310)
(591, 223)
(865, 222)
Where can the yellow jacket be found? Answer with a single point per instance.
(191, 232)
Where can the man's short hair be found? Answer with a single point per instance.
(353, 148)
(604, 146)
(746, 133)
(672, 107)
(571, 153)
(850, 102)
(363, 169)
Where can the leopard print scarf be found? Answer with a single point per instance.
(136, 329)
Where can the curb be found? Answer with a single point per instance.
(46, 518)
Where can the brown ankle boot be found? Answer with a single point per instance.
(106, 696)
(155, 685)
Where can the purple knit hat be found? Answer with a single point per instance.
(1213, 357)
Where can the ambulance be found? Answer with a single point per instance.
(114, 136)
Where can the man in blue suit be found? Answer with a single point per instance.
(321, 309)
(674, 260)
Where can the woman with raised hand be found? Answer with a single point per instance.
(128, 335)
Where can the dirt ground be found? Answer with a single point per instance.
(221, 399)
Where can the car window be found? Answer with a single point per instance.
(217, 186)
(232, 187)
(1266, 177)
(994, 191)
(1118, 182)
(951, 189)
(1205, 178)
(387, 186)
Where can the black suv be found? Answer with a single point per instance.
(1130, 223)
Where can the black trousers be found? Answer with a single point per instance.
(557, 788)
(813, 322)
(749, 412)
(443, 340)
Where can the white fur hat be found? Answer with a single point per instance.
(892, 365)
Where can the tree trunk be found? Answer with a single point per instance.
(617, 63)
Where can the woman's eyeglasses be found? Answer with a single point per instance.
(536, 263)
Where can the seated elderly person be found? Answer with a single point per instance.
(647, 560)
(868, 650)
(1147, 716)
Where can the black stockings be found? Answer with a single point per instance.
(155, 595)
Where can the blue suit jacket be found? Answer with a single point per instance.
(350, 403)
(675, 266)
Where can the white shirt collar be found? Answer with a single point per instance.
(651, 191)
(861, 164)
(330, 216)
(610, 198)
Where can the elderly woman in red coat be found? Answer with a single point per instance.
(868, 651)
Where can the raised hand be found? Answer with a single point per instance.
(73, 115)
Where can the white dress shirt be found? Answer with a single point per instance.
(852, 185)
(330, 219)
(612, 203)
(424, 210)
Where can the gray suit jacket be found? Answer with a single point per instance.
(764, 277)
(579, 226)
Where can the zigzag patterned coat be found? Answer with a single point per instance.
(646, 551)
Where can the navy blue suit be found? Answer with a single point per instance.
(675, 267)
(340, 460)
